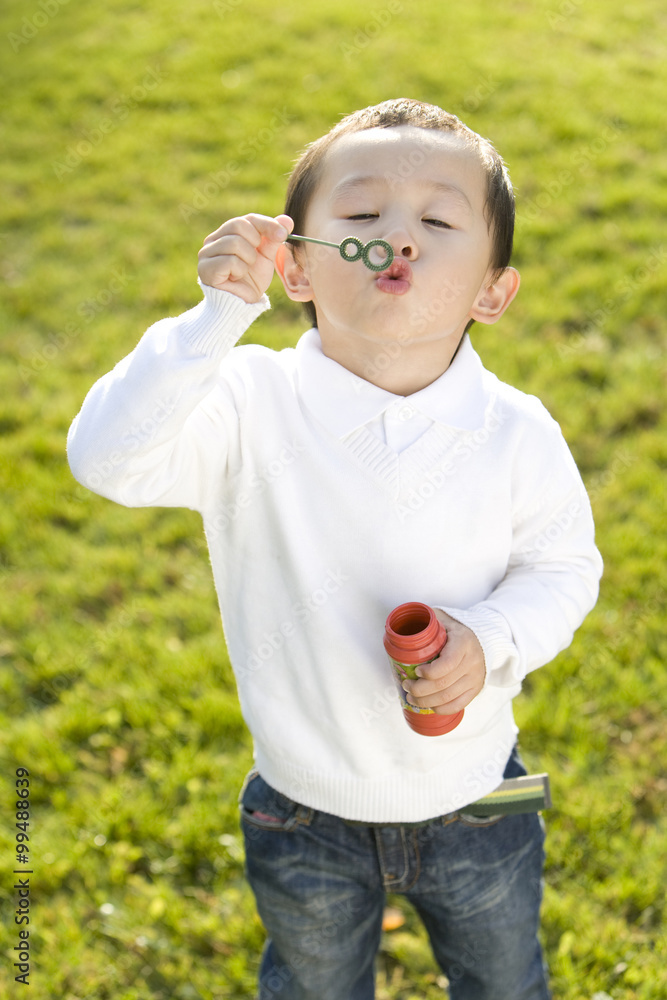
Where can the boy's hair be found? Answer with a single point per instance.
(499, 206)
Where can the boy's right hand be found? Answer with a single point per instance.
(239, 257)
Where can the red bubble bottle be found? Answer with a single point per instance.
(413, 635)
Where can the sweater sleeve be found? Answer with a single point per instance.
(553, 574)
(154, 430)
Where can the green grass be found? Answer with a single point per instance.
(131, 132)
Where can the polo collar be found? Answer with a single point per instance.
(343, 402)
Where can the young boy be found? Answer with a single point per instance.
(376, 463)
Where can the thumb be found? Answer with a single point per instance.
(275, 238)
(285, 221)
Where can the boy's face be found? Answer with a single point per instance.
(424, 192)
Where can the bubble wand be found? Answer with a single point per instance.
(361, 250)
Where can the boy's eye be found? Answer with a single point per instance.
(362, 215)
(438, 222)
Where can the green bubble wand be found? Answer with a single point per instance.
(361, 250)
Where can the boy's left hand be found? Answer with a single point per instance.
(455, 677)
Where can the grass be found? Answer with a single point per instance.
(131, 132)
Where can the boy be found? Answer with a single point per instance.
(378, 462)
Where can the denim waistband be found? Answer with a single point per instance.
(523, 794)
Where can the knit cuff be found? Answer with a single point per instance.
(495, 637)
(214, 325)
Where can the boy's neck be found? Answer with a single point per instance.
(399, 369)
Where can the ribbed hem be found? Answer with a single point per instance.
(475, 770)
(219, 320)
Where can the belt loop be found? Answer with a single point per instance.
(304, 815)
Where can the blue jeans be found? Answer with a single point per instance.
(320, 884)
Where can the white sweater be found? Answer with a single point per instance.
(326, 502)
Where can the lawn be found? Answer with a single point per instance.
(130, 132)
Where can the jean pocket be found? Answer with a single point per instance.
(264, 808)
(479, 821)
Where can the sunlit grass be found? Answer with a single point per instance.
(131, 132)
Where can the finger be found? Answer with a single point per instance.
(254, 228)
(270, 228)
(447, 660)
(423, 689)
(274, 233)
(230, 245)
(286, 222)
(236, 230)
(445, 703)
(225, 267)
(427, 698)
(452, 707)
(441, 672)
(239, 226)
(230, 273)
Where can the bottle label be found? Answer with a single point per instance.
(407, 670)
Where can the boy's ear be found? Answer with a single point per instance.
(294, 278)
(493, 300)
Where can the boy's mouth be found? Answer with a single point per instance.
(396, 279)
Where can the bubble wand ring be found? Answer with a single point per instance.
(361, 250)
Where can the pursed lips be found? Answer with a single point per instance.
(396, 279)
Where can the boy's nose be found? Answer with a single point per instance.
(402, 243)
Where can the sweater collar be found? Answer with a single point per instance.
(343, 401)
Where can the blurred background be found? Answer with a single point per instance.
(130, 131)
